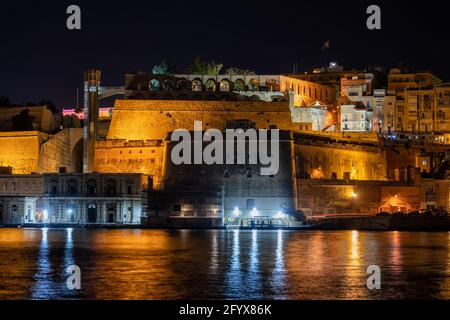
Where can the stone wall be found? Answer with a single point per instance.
(328, 197)
(35, 152)
(242, 184)
(152, 120)
(20, 150)
(43, 121)
(121, 156)
(321, 157)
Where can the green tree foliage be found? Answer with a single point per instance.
(23, 121)
(164, 68)
(239, 72)
(199, 66)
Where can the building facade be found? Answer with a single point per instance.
(93, 198)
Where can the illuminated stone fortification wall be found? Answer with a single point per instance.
(330, 197)
(152, 120)
(121, 156)
(137, 125)
(324, 159)
(20, 150)
(43, 121)
(62, 150)
(34, 152)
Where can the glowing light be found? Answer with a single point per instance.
(69, 211)
(236, 212)
(280, 215)
(45, 214)
(254, 212)
(354, 195)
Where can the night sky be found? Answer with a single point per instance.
(41, 59)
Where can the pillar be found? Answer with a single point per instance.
(91, 96)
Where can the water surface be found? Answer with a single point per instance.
(222, 264)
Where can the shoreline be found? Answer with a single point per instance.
(380, 223)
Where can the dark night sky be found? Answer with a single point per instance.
(41, 59)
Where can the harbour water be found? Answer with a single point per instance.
(223, 264)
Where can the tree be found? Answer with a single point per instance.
(23, 121)
(164, 68)
(239, 72)
(199, 66)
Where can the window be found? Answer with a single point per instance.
(168, 85)
(111, 188)
(250, 204)
(154, 85)
(54, 188)
(210, 85)
(72, 187)
(224, 85)
(129, 189)
(91, 187)
(196, 85)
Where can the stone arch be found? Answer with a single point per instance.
(154, 85)
(111, 213)
(210, 85)
(14, 212)
(91, 187)
(225, 85)
(54, 187)
(130, 187)
(168, 85)
(72, 187)
(183, 84)
(253, 84)
(239, 85)
(111, 188)
(197, 85)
